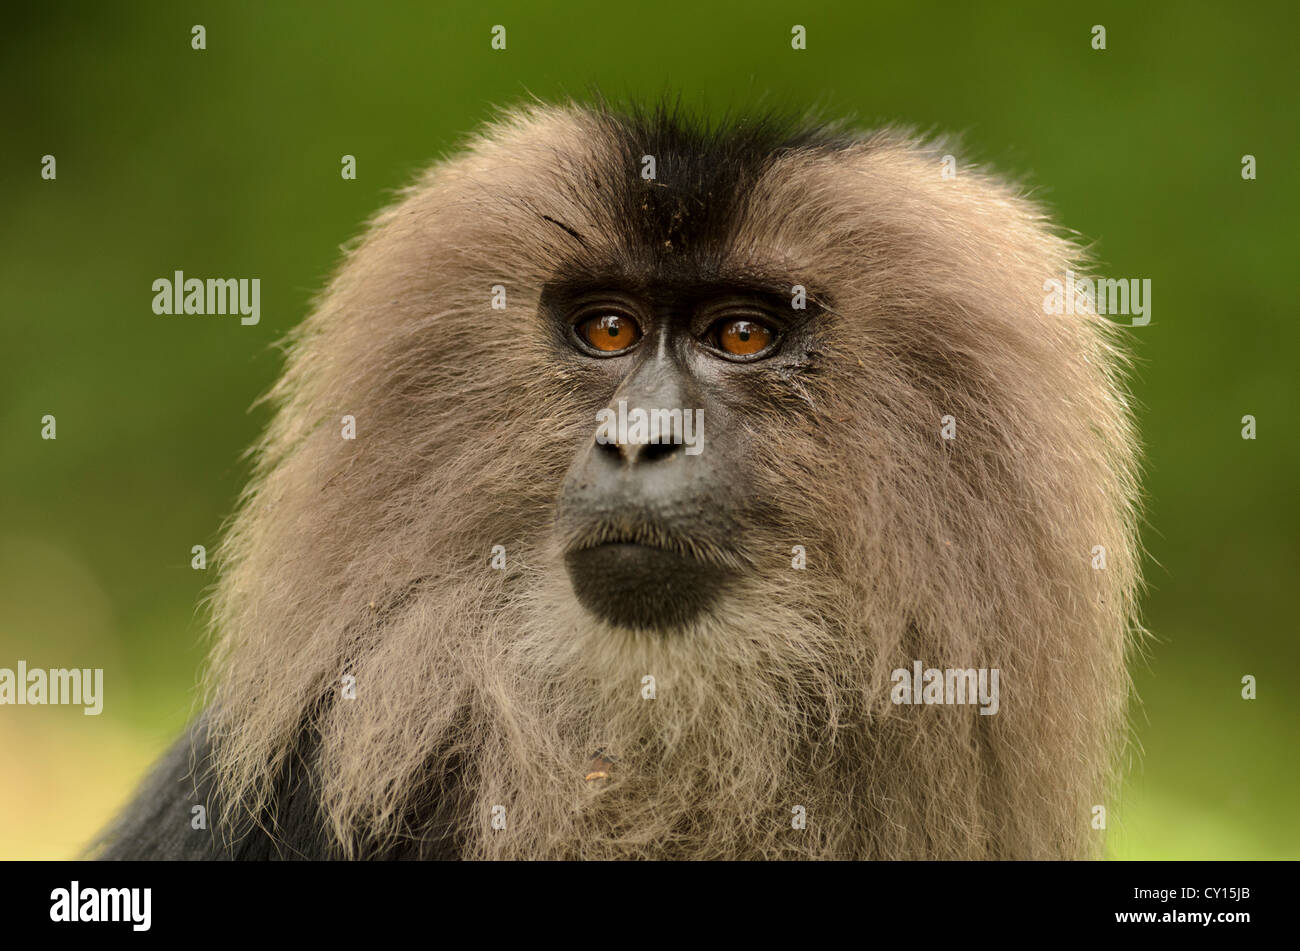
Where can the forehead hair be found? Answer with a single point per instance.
(662, 194)
(704, 174)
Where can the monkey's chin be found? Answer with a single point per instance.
(640, 587)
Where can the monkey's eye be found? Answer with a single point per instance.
(609, 333)
(740, 337)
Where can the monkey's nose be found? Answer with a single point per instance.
(637, 454)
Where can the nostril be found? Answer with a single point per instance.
(653, 451)
(610, 450)
(635, 453)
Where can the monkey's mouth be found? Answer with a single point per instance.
(643, 576)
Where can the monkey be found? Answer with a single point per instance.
(489, 623)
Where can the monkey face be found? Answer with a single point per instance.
(653, 507)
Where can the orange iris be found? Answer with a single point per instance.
(743, 337)
(610, 333)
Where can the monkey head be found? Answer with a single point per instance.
(757, 412)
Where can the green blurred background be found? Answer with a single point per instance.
(225, 162)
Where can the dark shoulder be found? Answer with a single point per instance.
(163, 821)
(173, 815)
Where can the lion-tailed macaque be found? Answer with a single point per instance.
(647, 488)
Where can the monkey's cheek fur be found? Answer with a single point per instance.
(641, 587)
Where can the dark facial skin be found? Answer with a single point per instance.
(652, 532)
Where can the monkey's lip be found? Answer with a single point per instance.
(624, 550)
(619, 542)
(603, 535)
(642, 586)
(650, 536)
(622, 542)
